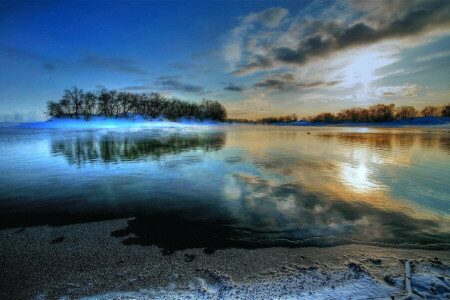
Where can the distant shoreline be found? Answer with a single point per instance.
(102, 122)
(416, 122)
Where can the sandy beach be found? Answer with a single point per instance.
(85, 260)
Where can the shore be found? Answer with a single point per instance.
(107, 123)
(443, 122)
(85, 260)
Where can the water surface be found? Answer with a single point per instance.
(237, 186)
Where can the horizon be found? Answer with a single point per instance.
(257, 58)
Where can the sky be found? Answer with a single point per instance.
(258, 58)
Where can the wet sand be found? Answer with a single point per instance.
(86, 260)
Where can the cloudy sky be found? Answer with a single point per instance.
(259, 58)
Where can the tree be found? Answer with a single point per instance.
(54, 109)
(65, 106)
(445, 111)
(90, 102)
(324, 118)
(75, 99)
(354, 115)
(212, 110)
(381, 112)
(125, 104)
(405, 112)
(430, 111)
(107, 102)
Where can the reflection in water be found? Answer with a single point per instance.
(389, 141)
(248, 186)
(132, 147)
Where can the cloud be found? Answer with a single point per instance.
(20, 52)
(270, 17)
(121, 65)
(434, 56)
(49, 67)
(258, 63)
(287, 81)
(407, 90)
(176, 85)
(137, 87)
(168, 83)
(234, 88)
(169, 77)
(318, 38)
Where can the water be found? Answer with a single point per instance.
(237, 186)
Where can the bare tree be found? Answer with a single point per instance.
(405, 112)
(75, 98)
(430, 111)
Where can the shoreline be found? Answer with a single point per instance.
(84, 260)
(138, 123)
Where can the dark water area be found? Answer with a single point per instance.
(237, 186)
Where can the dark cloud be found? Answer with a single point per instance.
(137, 88)
(423, 16)
(20, 52)
(234, 88)
(49, 67)
(88, 60)
(324, 39)
(176, 85)
(280, 81)
(169, 77)
(286, 81)
(122, 65)
(259, 62)
(272, 83)
(170, 83)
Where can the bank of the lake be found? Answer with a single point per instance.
(132, 122)
(84, 260)
(443, 122)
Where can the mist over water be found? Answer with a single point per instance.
(237, 186)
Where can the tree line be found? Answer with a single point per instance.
(282, 119)
(380, 113)
(75, 103)
(376, 113)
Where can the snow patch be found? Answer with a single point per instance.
(101, 122)
(306, 284)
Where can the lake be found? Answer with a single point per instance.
(233, 186)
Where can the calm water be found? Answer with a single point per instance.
(238, 186)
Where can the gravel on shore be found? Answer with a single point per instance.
(85, 260)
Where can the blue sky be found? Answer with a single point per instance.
(259, 58)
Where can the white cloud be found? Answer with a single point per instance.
(407, 90)
(270, 17)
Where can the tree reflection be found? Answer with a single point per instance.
(110, 148)
(389, 141)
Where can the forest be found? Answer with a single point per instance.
(75, 103)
